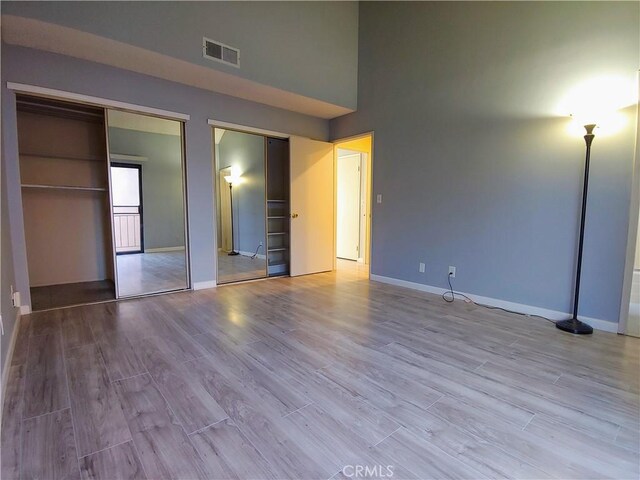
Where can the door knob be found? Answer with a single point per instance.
(294, 215)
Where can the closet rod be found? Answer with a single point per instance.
(64, 187)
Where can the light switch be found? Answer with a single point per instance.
(379, 198)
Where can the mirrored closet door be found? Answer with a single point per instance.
(240, 181)
(147, 203)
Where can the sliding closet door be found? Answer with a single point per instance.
(147, 203)
(312, 206)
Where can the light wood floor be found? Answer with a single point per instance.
(309, 378)
(140, 273)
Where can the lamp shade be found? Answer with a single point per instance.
(598, 101)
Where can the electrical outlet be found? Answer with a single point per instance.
(379, 198)
(421, 267)
(260, 243)
(15, 298)
(452, 271)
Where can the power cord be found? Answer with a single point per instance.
(452, 296)
(255, 254)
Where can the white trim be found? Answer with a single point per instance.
(120, 157)
(102, 102)
(8, 357)
(596, 323)
(204, 285)
(25, 309)
(163, 249)
(632, 229)
(246, 128)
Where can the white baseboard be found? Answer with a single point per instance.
(25, 309)
(250, 254)
(204, 285)
(9, 356)
(163, 249)
(596, 323)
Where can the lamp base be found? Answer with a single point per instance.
(574, 326)
(232, 253)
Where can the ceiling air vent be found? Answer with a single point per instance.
(220, 52)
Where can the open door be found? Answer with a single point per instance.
(312, 206)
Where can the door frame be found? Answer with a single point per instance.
(137, 166)
(633, 232)
(370, 197)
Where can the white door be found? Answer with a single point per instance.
(312, 206)
(348, 222)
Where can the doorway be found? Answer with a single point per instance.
(353, 158)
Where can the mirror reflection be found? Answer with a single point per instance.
(241, 203)
(147, 200)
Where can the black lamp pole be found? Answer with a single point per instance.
(574, 325)
(233, 245)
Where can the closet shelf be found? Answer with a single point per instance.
(276, 201)
(277, 216)
(64, 187)
(279, 249)
(277, 233)
(63, 157)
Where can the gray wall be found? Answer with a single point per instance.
(34, 67)
(6, 274)
(295, 46)
(246, 153)
(472, 157)
(162, 192)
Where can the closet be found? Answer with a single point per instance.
(252, 187)
(83, 219)
(65, 201)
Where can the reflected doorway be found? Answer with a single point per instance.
(126, 185)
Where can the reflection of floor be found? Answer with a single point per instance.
(140, 273)
(55, 296)
(238, 267)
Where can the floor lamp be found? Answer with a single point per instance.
(573, 325)
(229, 179)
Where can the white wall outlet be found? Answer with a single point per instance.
(260, 243)
(379, 198)
(16, 299)
(452, 271)
(421, 267)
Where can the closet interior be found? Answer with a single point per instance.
(65, 201)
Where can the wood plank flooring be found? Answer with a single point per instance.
(313, 378)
